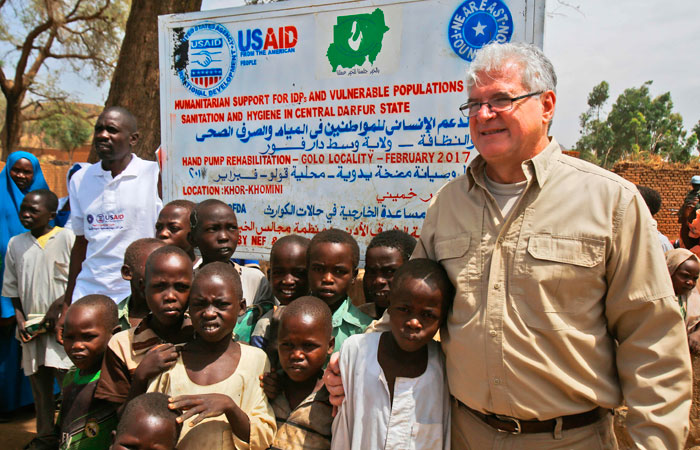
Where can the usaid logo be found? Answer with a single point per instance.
(205, 58)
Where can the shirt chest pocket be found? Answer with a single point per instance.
(453, 254)
(564, 275)
(458, 256)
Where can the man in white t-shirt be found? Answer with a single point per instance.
(113, 203)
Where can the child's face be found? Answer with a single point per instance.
(146, 432)
(173, 225)
(288, 274)
(685, 277)
(380, 265)
(214, 308)
(415, 313)
(303, 346)
(85, 337)
(137, 274)
(216, 234)
(168, 287)
(331, 271)
(33, 213)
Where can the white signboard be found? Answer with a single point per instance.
(305, 116)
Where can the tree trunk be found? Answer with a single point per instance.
(136, 83)
(12, 128)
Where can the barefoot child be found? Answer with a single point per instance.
(215, 233)
(86, 422)
(136, 355)
(147, 423)
(173, 225)
(304, 414)
(289, 280)
(401, 371)
(36, 273)
(386, 252)
(134, 308)
(215, 379)
(333, 259)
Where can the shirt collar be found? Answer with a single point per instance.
(348, 313)
(340, 313)
(130, 171)
(543, 162)
(43, 239)
(123, 308)
(538, 167)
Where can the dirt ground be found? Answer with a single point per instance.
(22, 429)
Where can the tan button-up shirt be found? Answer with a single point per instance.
(564, 305)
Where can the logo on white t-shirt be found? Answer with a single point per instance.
(105, 221)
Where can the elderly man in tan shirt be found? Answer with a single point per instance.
(564, 306)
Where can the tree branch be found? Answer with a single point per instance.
(77, 56)
(4, 83)
(27, 49)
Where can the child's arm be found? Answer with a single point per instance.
(21, 319)
(212, 405)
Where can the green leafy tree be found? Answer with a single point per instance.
(66, 131)
(637, 123)
(41, 38)
(597, 138)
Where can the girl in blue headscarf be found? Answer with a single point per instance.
(22, 174)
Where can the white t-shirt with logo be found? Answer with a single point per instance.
(112, 213)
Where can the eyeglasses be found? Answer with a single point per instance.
(499, 104)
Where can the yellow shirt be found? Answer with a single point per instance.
(563, 306)
(243, 386)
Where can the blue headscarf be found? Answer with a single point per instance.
(10, 199)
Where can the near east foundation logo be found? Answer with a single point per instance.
(476, 23)
(357, 39)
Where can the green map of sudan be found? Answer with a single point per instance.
(356, 39)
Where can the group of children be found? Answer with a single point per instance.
(209, 354)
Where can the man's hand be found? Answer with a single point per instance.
(53, 314)
(331, 378)
(156, 361)
(271, 382)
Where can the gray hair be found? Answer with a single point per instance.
(537, 71)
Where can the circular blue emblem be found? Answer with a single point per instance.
(90, 219)
(477, 23)
(205, 58)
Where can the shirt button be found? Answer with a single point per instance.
(500, 240)
(496, 286)
(496, 381)
(493, 333)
